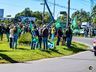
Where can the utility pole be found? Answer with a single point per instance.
(54, 9)
(43, 14)
(68, 15)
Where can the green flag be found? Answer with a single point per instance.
(23, 21)
(19, 30)
(57, 24)
(31, 26)
(74, 23)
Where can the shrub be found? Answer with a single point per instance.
(25, 38)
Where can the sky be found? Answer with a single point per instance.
(12, 7)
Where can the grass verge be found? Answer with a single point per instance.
(24, 53)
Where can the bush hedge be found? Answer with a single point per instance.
(25, 38)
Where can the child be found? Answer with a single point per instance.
(34, 42)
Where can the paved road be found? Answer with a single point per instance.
(87, 41)
(75, 63)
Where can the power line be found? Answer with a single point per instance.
(61, 6)
(58, 5)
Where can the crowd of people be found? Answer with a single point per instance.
(41, 36)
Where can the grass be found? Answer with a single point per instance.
(24, 53)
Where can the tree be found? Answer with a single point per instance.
(38, 15)
(63, 17)
(38, 22)
(93, 15)
(25, 12)
(47, 18)
(82, 16)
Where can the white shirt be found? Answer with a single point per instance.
(11, 33)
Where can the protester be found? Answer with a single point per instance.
(15, 37)
(59, 35)
(7, 31)
(52, 33)
(34, 42)
(86, 32)
(40, 38)
(23, 29)
(1, 32)
(11, 36)
(45, 37)
(39, 35)
(69, 37)
(64, 37)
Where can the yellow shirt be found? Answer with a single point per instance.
(53, 31)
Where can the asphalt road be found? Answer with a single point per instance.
(87, 41)
(74, 63)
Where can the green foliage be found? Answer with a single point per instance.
(94, 15)
(25, 38)
(37, 14)
(47, 18)
(94, 20)
(94, 12)
(27, 12)
(82, 16)
(63, 17)
(38, 22)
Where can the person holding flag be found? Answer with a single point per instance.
(34, 33)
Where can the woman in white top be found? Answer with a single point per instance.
(11, 36)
